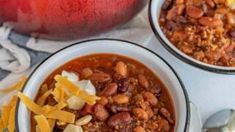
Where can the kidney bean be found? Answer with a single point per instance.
(151, 98)
(232, 33)
(116, 108)
(140, 113)
(100, 112)
(163, 125)
(150, 113)
(139, 129)
(120, 99)
(109, 90)
(166, 114)
(156, 90)
(123, 85)
(86, 72)
(143, 81)
(100, 77)
(119, 119)
(174, 11)
(88, 109)
(121, 68)
(171, 14)
(210, 21)
(194, 12)
(167, 4)
(210, 3)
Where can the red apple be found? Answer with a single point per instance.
(67, 19)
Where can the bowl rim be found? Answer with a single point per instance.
(186, 97)
(182, 56)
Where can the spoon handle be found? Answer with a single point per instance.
(195, 124)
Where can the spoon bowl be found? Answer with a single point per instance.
(221, 121)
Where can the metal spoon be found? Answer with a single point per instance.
(221, 121)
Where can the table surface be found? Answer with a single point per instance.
(210, 92)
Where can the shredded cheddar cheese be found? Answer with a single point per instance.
(48, 108)
(43, 123)
(43, 89)
(7, 119)
(90, 99)
(68, 85)
(61, 115)
(17, 86)
(11, 121)
(76, 90)
(58, 93)
(51, 124)
(1, 125)
(5, 116)
(45, 115)
(230, 3)
(48, 112)
(30, 104)
(41, 100)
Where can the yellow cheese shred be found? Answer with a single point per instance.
(76, 90)
(61, 115)
(58, 93)
(90, 99)
(17, 86)
(69, 85)
(7, 119)
(11, 121)
(1, 125)
(41, 100)
(230, 3)
(8, 115)
(42, 123)
(51, 124)
(30, 104)
(54, 114)
(5, 115)
(43, 89)
(59, 106)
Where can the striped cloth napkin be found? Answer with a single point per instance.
(20, 54)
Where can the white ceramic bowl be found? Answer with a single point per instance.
(160, 67)
(154, 13)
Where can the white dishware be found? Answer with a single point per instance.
(154, 62)
(154, 13)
